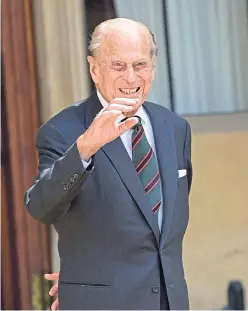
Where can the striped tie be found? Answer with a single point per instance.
(146, 166)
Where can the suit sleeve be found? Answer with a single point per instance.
(187, 154)
(61, 174)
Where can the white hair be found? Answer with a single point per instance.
(101, 29)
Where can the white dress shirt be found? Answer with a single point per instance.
(127, 141)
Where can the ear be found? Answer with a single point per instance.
(93, 69)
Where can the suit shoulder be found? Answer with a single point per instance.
(67, 120)
(175, 119)
(67, 115)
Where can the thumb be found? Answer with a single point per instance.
(127, 124)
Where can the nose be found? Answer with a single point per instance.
(130, 75)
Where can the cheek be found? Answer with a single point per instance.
(148, 78)
(109, 80)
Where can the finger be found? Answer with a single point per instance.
(52, 276)
(135, 103)
(110, 113)
(122, 108)
(55, 305)
(54, 290)
(124, 101)
(127, 124)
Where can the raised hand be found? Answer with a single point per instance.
(105, 127)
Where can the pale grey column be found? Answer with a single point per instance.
(209, 55)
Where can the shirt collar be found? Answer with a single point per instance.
(140, 112)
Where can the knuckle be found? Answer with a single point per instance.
(105, 113)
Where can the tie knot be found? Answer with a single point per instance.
(137, 125)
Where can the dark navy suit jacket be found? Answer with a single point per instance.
(112, 255)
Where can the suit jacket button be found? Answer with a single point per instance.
(75, 176)
(155, 289)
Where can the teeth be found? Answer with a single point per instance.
(129, 91)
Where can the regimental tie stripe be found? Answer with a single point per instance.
(138, 137)
(143, 163)
(155, 180)
(156, 207)
(146, 166)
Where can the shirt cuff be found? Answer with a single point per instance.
(88, 165)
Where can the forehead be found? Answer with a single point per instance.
(125, 46)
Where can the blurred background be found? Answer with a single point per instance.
(202, 74)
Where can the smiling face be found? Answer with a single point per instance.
(123, 66)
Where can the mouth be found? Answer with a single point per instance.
(130, 91)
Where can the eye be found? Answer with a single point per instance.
(118, 66)
(140, 65)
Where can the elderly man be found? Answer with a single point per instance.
(114, 178)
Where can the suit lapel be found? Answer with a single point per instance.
(163, 132)
(119, 157)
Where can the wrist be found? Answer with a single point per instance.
(85, 148)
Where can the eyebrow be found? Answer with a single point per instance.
(118, 61)
(136, 61)
(140, 61)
